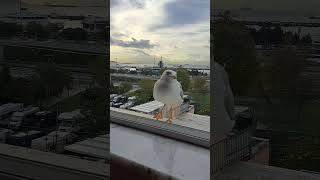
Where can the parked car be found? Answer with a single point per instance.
(119, 100)
(131, 102)
(46, 118)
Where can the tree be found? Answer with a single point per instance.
(125, 87)
(5, 76)
(77, 34)
(199, 85)
(184, 78)
(147, 85)
(53, 29)
(98, 67)
(36, 30)
(54, 78)
(234, 47)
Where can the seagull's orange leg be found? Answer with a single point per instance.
(170, 115)
(158, 115)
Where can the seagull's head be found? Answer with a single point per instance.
(169, 75)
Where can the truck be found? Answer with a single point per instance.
(23, 117)
(71, 121)
(6, 110)
(23, 139)
(4, 134)
(45, 119)
(54, 141)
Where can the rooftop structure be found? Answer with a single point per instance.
(97, 147)
(25, 17)
(93, 24)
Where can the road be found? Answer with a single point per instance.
(65, 94)
(135, 76)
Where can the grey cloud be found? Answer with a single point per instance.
(183, 12)
(139, 44)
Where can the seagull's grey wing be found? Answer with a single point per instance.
(181, 90)
(155, 90)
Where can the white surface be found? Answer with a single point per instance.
(175, 158)
(223, 104)
(148, 107)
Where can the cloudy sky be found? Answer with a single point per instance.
(294, 5)
(145, 30)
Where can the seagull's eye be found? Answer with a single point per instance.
(168, 73)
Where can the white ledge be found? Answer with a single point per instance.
(191, 128)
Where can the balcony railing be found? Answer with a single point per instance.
(233, 148)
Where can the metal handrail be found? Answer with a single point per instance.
(231, 149)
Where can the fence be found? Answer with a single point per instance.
(233, 148)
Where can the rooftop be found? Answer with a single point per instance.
(96, 147)
(250, 171)
(35, 164)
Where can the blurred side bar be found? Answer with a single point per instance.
(36, 165)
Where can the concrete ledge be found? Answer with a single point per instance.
(39, 165)
(189, 127)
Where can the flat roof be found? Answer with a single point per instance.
(174, 158)
(59, 45)
(58, 160)
(251, 171)
(98, 147)
(148, 107)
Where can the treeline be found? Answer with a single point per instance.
(47, 81)
(276, 36)
(50, 31)
(42, 55)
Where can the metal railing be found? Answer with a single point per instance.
(233, 148)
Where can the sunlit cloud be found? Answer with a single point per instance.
(145, 30)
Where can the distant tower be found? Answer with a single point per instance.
(160, 63)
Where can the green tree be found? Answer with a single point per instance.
(199, 84)
(77, 34)
(5, 76)
(36, 30)
(146, 93)
(54, 78)
(147, 85)
(125, 87)
(98, 67)
(183, 77)
(234, 47)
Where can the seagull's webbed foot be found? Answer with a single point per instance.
(158, 115)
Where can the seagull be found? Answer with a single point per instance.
(224, 116)
(168, 91)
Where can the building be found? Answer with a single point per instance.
(25, 18)
(93, 24)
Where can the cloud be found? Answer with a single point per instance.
(139, 44)
(182, 12)
(167, 28)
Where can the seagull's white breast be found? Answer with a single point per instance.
(172, 94)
